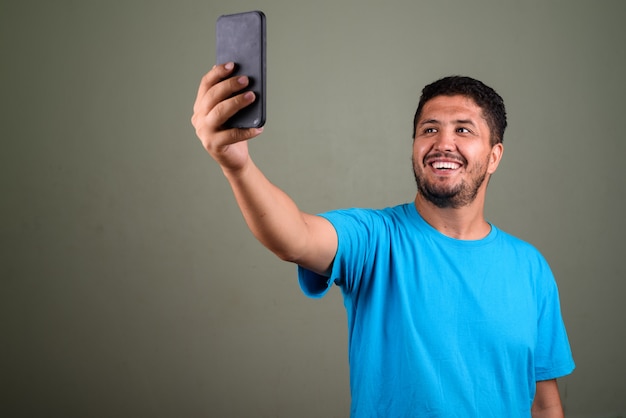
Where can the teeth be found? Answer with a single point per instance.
(446, 165)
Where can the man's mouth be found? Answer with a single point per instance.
(445, 165)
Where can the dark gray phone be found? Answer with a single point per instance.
(240, 38)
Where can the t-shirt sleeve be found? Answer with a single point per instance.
(353, 228)
(553, 355)
(313, 285)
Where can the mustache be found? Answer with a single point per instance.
(444, 155)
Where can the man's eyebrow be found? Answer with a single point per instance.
(428, 121)
(466, 122)
(458, 121)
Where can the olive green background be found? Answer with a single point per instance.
(130, 286)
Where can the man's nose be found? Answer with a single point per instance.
(445, 141)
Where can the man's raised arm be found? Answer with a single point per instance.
(271, 215)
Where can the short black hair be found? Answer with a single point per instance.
(484, 96)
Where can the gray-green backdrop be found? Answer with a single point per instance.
(130, 286)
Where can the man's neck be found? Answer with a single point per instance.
(465, 223)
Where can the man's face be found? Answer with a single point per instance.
(452, 154)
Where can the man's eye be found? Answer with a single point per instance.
(430, 130)
(463, 130)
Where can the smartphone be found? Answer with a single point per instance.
(240, 38)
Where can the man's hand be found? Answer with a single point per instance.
(214, 105)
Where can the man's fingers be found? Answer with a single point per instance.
(219, 98)
(222, 94)
(225, 109)
(214, 76)
(210, 125)
(210, 79)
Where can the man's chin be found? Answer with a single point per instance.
(447, 197)
(441, 202)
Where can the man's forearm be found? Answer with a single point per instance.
(547, 403)
(277, 222)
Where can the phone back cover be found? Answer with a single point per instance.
(240, 38)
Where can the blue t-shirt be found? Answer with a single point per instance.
(440, 327)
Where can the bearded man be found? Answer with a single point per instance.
(448, 316)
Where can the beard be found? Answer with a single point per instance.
(454, 196)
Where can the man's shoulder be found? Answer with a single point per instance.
(519, 246)
(390, 214)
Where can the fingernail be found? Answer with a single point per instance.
(243, 80)
(248, 95)
(229, 65)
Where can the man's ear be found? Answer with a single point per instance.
(494, 157)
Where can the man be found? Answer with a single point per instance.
(448, 316)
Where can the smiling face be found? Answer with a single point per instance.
(452, 153)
